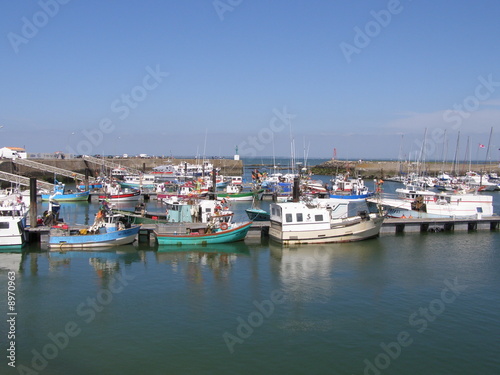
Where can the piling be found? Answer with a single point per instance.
(296, 189)
(33, 205)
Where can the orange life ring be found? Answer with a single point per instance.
(224, 226)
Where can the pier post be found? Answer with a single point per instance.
(213, 189)
(296, 189)
(86, 182)
(33, 208)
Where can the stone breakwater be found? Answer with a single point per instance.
(384, 169)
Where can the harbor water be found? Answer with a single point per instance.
(403, 304)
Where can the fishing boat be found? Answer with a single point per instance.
(107, 231)
(412, 202)
(177, 210)
(201, 234)
(236, 193)
(143, 181)
(13, 213)
(323, 221)
(115, 193)
(187, 190)
(126, 195)
(257, 214)
(66, 196)
(349, 188)
(98, 184)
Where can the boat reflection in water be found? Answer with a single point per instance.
(11, 260)
(193, 260)
(316, 275)
(105, 262)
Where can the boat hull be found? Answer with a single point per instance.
(236, 196)
(12, 232)
(125, 197)
(349, 231)
(257, 214)
(73, 197)
(225, 236)
(100, 240)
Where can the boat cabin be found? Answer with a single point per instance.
(296, 216)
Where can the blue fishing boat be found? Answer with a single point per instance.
(90, 186)
(66, 196)
(105, 232)
(201, 234)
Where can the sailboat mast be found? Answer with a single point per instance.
(445, 150)
(455, 160)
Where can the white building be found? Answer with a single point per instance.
(13, 153)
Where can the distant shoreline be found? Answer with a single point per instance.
(393, 168)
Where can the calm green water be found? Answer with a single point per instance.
(407, 304)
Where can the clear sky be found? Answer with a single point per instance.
(190, 77)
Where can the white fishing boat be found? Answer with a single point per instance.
(115, 193)
(143, 181)
(13, 216)
(411, 202)
(323, 221)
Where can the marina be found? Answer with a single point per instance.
(481, 221)
(235, 187)
(199, 297)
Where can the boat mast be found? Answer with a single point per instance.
(421, 157)
(454, 165)
(445, 150)
(467, 152)
(486, 157)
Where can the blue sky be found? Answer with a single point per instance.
(202, 77)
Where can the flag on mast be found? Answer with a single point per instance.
(481, 145)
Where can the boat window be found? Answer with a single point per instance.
(299, 217)
(4, 225)
(288, 218)
(318, 217)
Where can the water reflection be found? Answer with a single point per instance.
(219, 258)
(11, 261)
(72, 212)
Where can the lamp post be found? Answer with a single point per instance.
(68, 148)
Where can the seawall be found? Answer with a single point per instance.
(228, 167)
(384, 169)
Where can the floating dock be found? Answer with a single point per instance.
(419, 225)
